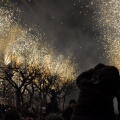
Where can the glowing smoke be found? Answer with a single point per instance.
(21, 47)
(110, 29)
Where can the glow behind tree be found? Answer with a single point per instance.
(22, 47)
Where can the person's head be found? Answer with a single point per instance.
(12, 114)
(98, 66)
(52, 99)
(53, 116)
(106, 73)
(72, 102)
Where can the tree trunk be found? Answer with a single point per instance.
(63, 102)
(40, 105)
(18, 97)
(30, 100)
(44, 99)
(22, 99)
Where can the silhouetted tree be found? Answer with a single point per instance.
(19, 78)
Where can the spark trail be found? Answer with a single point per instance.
(19, 45)
(109, 23)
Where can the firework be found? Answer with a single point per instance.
(109, 26)
(22, 47)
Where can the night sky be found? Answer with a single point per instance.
(68, 26)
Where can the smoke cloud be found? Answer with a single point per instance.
(67, 25)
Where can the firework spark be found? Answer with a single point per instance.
(109, 23)
(22, 47)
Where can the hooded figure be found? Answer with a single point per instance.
(98, 86)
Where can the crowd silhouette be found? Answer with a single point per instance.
(98, 87)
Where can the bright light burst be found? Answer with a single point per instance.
(109, 22)
(22, 47)
(62, 66)
(5, 26)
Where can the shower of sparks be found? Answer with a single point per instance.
(109, 23)
(60, 65)
(22, 47)
(5, 25)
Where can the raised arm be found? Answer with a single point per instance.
(86, 76)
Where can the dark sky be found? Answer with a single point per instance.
(68, 26)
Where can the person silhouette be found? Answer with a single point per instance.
(98, 86)
(69, 110)
(52, 106)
